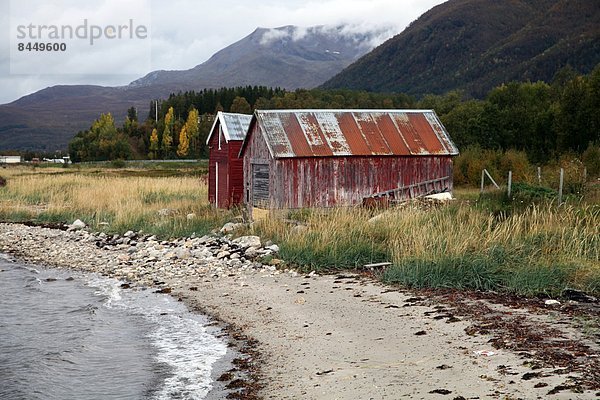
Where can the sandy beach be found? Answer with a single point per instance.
(347, 336)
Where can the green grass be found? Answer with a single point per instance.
(527, 249)
(339, 253)
(502, 270)
(160, 196)
(469, 271)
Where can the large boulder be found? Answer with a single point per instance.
(247, 241)
(230, 227)
(77, 225)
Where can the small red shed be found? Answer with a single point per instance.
(326, 158)
(225, 171)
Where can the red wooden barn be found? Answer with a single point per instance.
(225, 171)
(326, 158)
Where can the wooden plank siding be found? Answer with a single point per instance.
(299, 182)
(230, 172)
(343, 181)
(235, 193)
(256, 153)
(333, 158)
(260, 185)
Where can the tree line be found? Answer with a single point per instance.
(543, 120)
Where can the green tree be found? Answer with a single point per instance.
(571, 122)
(132, 114)
(206, 122)
(591, 160)
(262, 104)
(520, 116)
(77, 147)
(101, 142)
(465, 123)
(441, 104)
(592, 104)
(240, 105)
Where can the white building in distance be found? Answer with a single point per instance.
(10, 159)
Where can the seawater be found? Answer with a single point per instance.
(72, 335)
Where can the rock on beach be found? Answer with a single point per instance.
(135, 257)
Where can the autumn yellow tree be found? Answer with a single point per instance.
(184, 144)
(167, 139)
(153, 144)
(191, 128)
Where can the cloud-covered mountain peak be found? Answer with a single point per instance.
(287, 56)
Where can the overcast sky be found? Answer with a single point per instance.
(181, 34)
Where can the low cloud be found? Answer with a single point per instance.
(275, 34)
(357, 32)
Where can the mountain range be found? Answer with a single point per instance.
(466, 45)
(475, 45)
(288, 57)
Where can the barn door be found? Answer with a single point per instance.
(260, 185)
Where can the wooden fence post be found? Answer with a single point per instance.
(584, 183)
(509, 183)
(539, 175)
(560, 186)
(482, 179)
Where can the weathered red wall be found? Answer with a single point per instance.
(236, 174)
(341, 181)
(230, 172)
(337, 181)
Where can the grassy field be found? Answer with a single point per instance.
(526, 245)
(541, 249)
(113, 199)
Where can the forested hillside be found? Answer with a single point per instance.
(475, 45)
(542, 120)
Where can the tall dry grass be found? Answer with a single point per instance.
(484, 244)
(113, 203)
(539, 249)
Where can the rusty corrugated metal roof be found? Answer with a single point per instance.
(322, 133)
(234, 126)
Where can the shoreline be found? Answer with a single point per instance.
(214, 328)
(244, 387)
(339, 336)
(72, 283)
